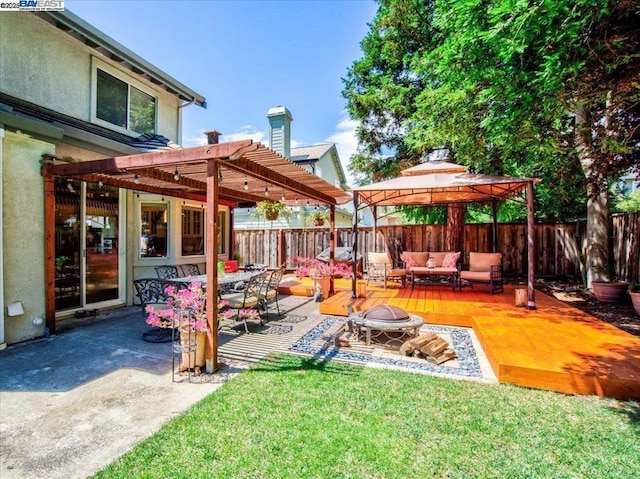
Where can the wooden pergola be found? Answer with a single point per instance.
(234, 174)
(443, 183)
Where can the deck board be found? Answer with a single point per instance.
(555, 347)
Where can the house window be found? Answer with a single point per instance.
(124, 105)
(192, 231)
(153, 230)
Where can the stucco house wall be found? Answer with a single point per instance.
(43, 65)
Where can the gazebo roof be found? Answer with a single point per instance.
(247, 170)
(438, 184)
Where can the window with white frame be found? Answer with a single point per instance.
(154, 230)
(122, 104)
(192, 231)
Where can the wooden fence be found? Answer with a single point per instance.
(560, 247)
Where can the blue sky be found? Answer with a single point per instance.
(247, 56)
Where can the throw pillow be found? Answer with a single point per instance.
(408, 260)
(450, 260)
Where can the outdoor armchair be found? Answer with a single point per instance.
(484, 268)
(380, 270)
(190, 270)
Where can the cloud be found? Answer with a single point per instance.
(346, 142)
(245, 132)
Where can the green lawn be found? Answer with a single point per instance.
(291, 417)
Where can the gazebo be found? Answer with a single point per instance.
(234, 174)
(444, 183)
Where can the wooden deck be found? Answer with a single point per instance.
(555, 347)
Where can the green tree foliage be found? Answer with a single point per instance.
(544, 89)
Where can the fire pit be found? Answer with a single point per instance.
(383, 320)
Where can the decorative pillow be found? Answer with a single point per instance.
(438, 256)
(450, 260)
(420, 257)
(408, 260)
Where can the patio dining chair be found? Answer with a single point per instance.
(190, 270)
(167, 272)
(247, 299)
(269, 290)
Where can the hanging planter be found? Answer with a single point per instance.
(271, 210)
(317, 218)
(609, 291)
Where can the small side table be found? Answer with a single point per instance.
(411, 325)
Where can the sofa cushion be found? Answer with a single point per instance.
(380, 260)
(407, 259)
(450, 260)
(484, 261)
(419, 257)
(476, 275)
(438, 256)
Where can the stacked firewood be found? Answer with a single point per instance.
(430, 346)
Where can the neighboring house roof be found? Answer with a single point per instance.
(310, 154)
(94, 38)
(143, 143)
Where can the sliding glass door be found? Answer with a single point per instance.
(87, 245)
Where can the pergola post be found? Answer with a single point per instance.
(211, 254)
(354, 258)
(531, 247)
(494, 225)
(332, 242)
(49, 254)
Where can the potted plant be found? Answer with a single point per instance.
(271, 210)
(321, 273)
(317, 218)
(634, 292)
(609, 291)
(186, 312)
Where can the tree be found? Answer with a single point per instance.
(546, 89)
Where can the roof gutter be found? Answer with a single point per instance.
(94, 38)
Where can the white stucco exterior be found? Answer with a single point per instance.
(44, 67)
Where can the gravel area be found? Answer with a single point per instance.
(621, 315)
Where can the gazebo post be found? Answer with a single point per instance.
(531, 247)
(354, 258)
(332, 242)
(211, 255)
(494, 226)
(374, 230)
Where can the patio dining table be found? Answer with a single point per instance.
(224, 280)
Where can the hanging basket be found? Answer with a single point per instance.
(318, 222)
(271, 215)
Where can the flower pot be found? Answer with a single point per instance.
(635, 299)
(318, 222)
(323, 286)
(271, 215)
(609, 292)
(193, 348)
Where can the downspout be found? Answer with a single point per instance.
(3, 344)
(190, 102)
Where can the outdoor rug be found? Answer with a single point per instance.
(319, 342)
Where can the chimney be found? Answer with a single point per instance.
(280, 130)
(212, 137)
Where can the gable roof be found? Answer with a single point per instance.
(86, 33)
(307, 154)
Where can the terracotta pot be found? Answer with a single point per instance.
(635, 299)
(323, 285)
(609, 292)
(193, 347)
